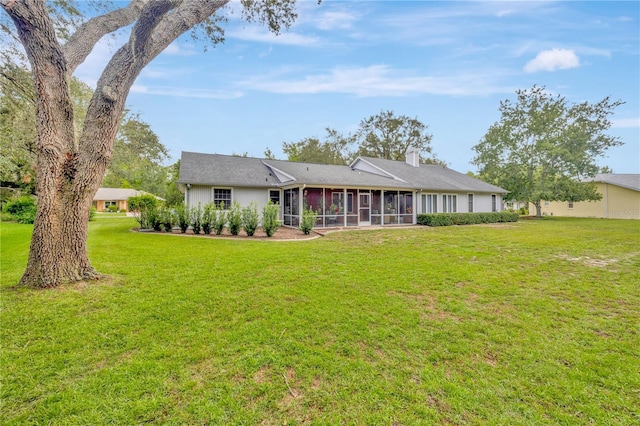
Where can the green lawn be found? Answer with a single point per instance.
(527, 323)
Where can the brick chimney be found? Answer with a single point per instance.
(413, 157)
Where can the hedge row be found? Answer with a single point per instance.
(448, 219)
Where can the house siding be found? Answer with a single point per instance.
(198, 194)
(481, 202)
(203, 194)
(616, 203)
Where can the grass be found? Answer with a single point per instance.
(526, 323)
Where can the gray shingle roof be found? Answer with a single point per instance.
(215, 169)
(629, 181)
(433, 176)
(114, 194)
(196, 168)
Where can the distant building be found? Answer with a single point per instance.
(107, 197)
(620, 200)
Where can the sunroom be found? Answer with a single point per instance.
(338, 207)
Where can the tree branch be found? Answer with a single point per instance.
(187, 15)
(85, 38)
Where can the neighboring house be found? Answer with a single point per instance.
(370, 191)
(106, 197)
(620, 200)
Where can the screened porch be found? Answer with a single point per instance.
(340, 207)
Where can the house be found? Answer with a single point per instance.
(620, 199)
(369, 191)
(105, 198)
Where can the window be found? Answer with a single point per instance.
(429, 203)
(470, 203)
(570, 204)
(494, 203)
(108, 204)
(449, 203)
(274, 196)
(222, 196)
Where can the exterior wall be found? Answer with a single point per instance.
(203, 194)
(616, 203)
(246, 195)
(99, 205)
(481, 202)
(198, 194)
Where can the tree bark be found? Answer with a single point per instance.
(538, 205)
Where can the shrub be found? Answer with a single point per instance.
(144, 208)
(208, 218)
(92, 214)
(235, 218)
(183, 217)
(167, 219)
(270, 218)
(196, 219)
(308, 221)
(155, 219)
(250, 218)
(112, 209)
(219, 218)
(448, 219)
(22, 209)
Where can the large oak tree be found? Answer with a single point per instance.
(543, 147)
(69, 169)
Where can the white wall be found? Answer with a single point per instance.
(481, 202)
(203, 194)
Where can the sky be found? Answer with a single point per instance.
(448, 64)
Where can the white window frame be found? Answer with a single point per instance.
(449, 203)
(470, 201)
(269, 195)
(213, 196)
(429, 203)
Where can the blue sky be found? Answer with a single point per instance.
(447, 63)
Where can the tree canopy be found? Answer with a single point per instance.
(138, 155)
(333, 150)
(386, 135)
(543, 147)
(383, 135)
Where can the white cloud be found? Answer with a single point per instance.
(626, 123)
(378, 80)
(174, 49)
(336, 20)
(504, 12)
(552, 60)
(185, 92)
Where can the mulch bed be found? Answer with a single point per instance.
(283, 233)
